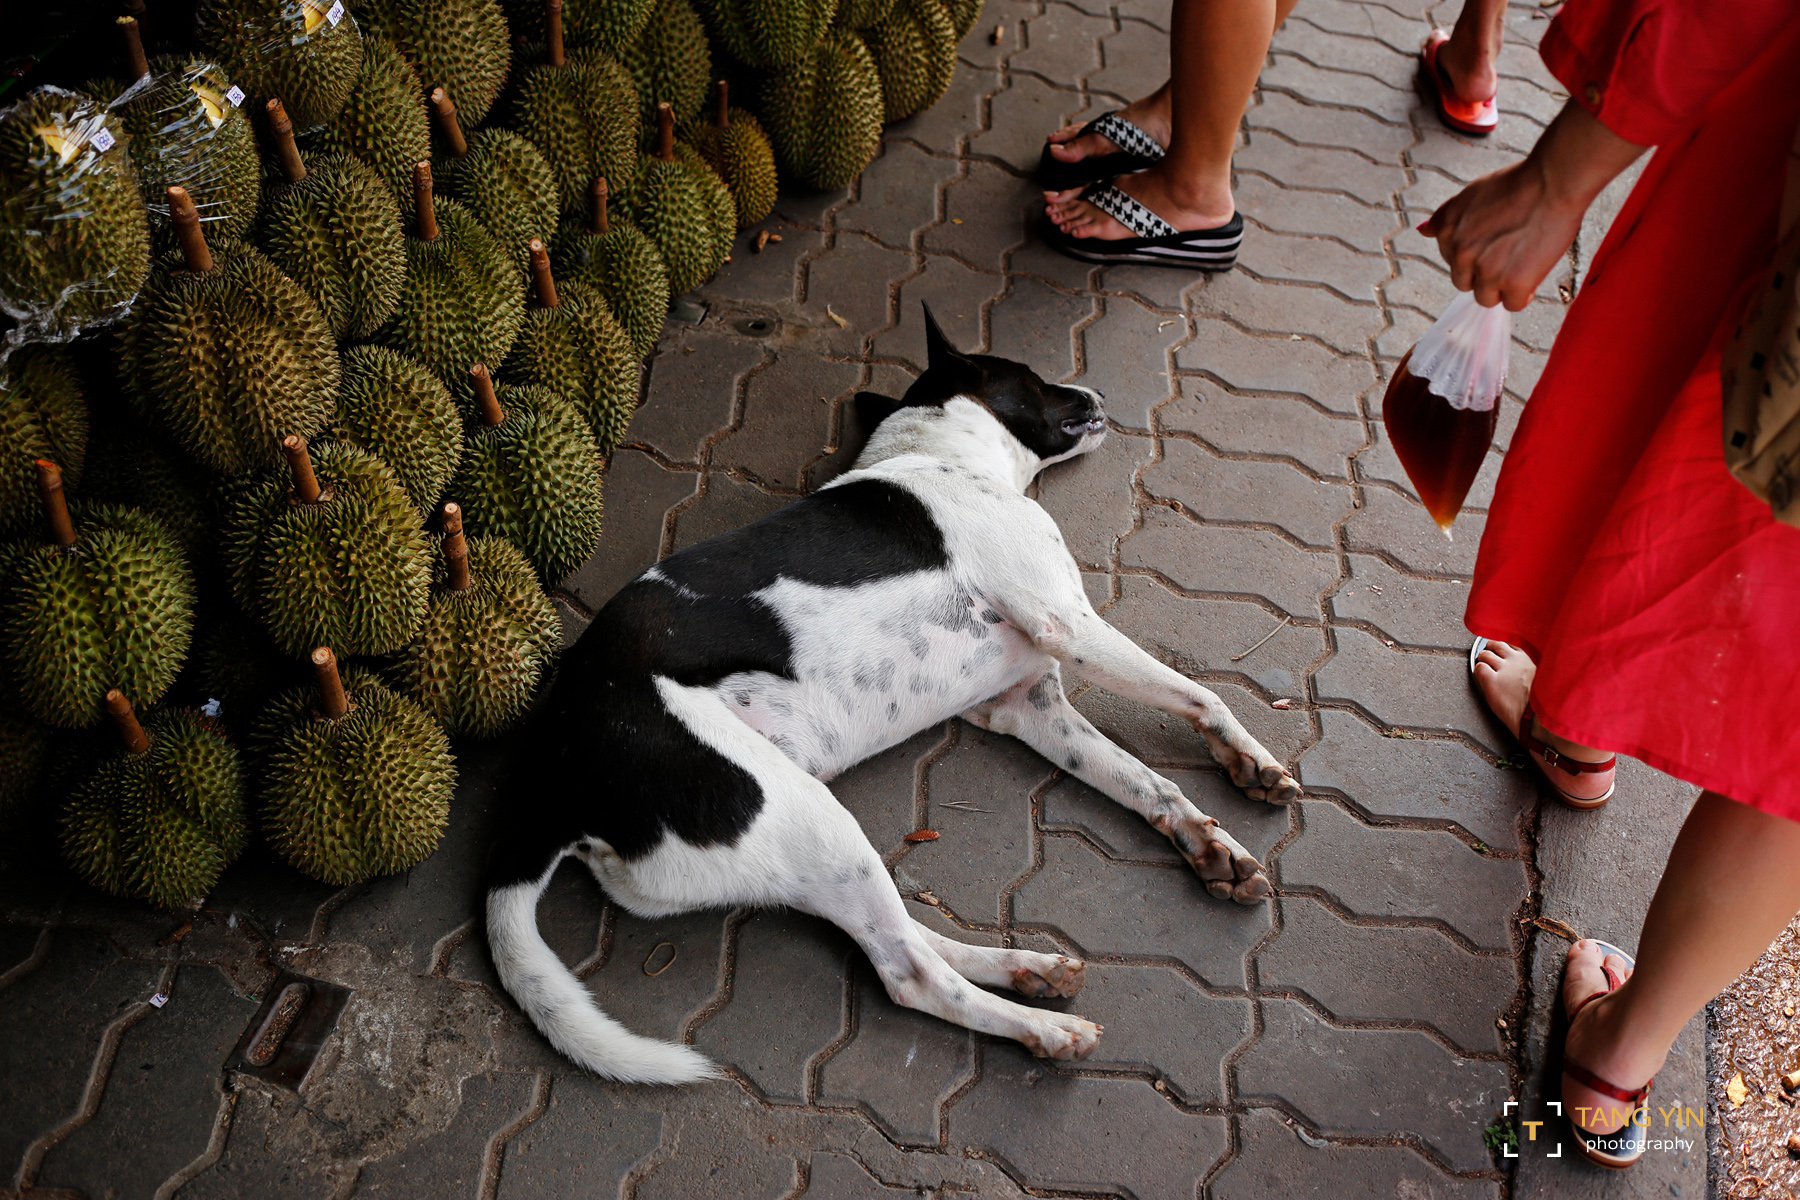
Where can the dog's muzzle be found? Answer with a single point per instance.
(1084, 426)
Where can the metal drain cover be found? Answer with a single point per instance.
(283, 1040)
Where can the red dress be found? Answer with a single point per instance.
(1660, 599)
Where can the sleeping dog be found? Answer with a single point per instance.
(685, 746)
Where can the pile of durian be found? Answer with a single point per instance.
(319, 325)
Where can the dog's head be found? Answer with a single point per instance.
(1053, 421)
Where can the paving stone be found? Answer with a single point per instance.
(1204, 638)
(684, 952)
(1402, 688)
(572, 916)
(262, 1158)
(1267, 307)
(787, 1001)
(1353, 19)
(1091, 497)
(1331, 128)
(787, 417)
(1269, 426)
(1398, 527)
(1399, 337)
(944, 127)
(1366, 55)
(1244, 562)
(573, 623)
(1307, 258)
(1414, 612)
(1462, 159)
(1018, 119)
(1084, 1133)
(809, 209)
(900, 1065)
(1158, 287)
(956, 295)
(1246, 491)
(1385, 100)
(453, 1161)
(848, 280)
(1127, 355)
(1034, 324)
(693, 387)
(1061, 47)
(1343, 1083)
(1112, 910)
(1074, 806)
(1277, 363)
(1410, 873)
(970, 872)
(265, 894)
(590, 1135)
(840, 1177)
(978, 49)
(897, 194)
(1319, 168)
(1158, 1021)
(1136, 60)
(1036, 259)
(1272, 1161)
(639, 494)
(727, 504)
(986, 213)
(881, 792)
(764, 278)
(1389, 974)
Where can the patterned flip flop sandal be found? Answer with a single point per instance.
(1136, 151)
(1477, 118)
(1624, 1146)
(1156, 243)
(1549, 759)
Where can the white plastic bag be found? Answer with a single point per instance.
(1463, 357)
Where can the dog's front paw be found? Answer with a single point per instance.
(1230, 871)
(1063, 1037)
(1056, 976)
(1272, 783)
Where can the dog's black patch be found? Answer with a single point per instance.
(607, 760)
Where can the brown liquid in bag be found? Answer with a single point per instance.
(1442, 448)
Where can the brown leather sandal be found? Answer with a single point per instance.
(1624, 1146)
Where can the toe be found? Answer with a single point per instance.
(1253, 890)
(1584, 975)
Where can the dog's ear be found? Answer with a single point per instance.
(939, 353)
(872, 408)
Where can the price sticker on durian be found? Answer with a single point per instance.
(104, 140)
(236, 96)
(335, 13)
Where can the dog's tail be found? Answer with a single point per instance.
(562, 1008)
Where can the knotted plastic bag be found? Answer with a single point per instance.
(1444, 401)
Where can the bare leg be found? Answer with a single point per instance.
(1469, 57)
(1216, 50)
(1504, 674)
(1729, 889)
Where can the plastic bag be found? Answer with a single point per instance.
(1444, 401)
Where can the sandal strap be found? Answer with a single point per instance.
(1588, 1079)
(1125, 135)
(1552, 756)
(1128, 212)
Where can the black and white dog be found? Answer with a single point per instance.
(689, 734)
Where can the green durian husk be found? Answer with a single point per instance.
(24, 747)
(364, 795)
(463, 301)
(43, 414)
(162, 825)
(583, 118)
(74, 237)
(963, 15)
(768, 33)
(669, 61)
(477, 662)
(915, 54)
(625, 267)
(740, 154)
(603, 25)
(351, 571)
(461, 46)
(384, 123)
(823, 113)
(115, 610)
(581, 353)
(676, 203)
(337, 234)
(287, 49)
(397, 410)
(860, 14)
(508, 186)
(138, 468)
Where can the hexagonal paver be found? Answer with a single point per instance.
(1092, 500)
(1245, 562)
(1279, 362)
(900, 1065)
(1402, 688)
(1264, 426)
(1211, 637)
(1243, 491)
(970, 871)
(1273, 1160)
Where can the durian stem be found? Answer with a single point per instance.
(332, 698)
(306, 484)
(428, 226)
(542, 282)
(288, 154)
(487, 401)
(135, 60)
(665, 131)
(598, 224)
(456, 548)
(56, 505)
(449, 128)
(119, 709)
(722, 104)
(186, 219)
(553, 31)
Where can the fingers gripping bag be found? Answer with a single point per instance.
(1444, 401)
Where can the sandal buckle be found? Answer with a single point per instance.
(1550, 756)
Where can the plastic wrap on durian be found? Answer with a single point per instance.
(306, 53)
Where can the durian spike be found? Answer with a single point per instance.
(721, 104)
(598, 224)
(186, 219)
(130, 732)
(449, 128)
(428, 226)
(56, 505)
(135, 61)
(486, 400)
(456, 548)
(665, 131)
(288, 154)
(332, 699)
(306, 484)
(542, 282)
(553, 29)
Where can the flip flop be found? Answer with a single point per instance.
(1137, 150)
(1477, 118)
(1548, 758)
(1624, 1146)
(1157, 243)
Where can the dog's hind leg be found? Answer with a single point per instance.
(1024, 971)
(1038, 713)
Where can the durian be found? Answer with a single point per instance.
(357, 780)
(334, 229)
(669, 61)
(74, 238)
(463, 301)
(383, 123)
(488, 637)
(160, 819)
(612, 256)
(235, 669)
(500, 178)
(227, 353)
(768, 33)
(24, 746)
(395, 409)
(135, 467)
(308, 52)
(104, 602)
(571, 345)
(734, 145)
(860, 14)
(604, 25)
(461, 46)
(684, 207)
(530, 474)
(330, 552)
(915, 54)
(823, 113)
(581, 111)
(43, 414)
(963, 15)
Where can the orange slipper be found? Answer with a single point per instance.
(1478, 118)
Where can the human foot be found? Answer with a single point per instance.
(1151, 114)
(1464, 97)
(1605, 1074)
(1467, 61)
(1504, 675)
(1187, 209)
